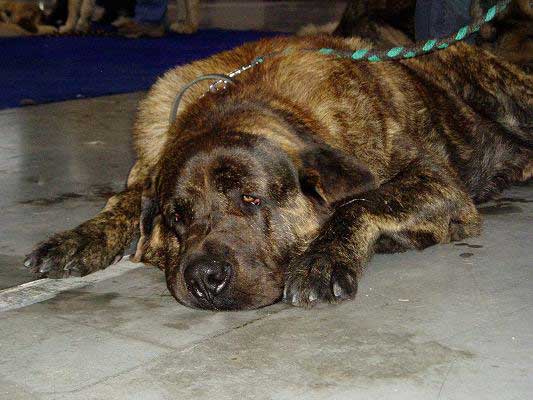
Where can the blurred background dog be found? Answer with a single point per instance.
(22, 19)
(76, 15)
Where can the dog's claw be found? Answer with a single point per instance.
(45, 267)
(294, 299)
(337, 290)
(318, 277)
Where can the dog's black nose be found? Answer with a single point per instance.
(207, 278)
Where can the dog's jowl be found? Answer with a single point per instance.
(285, 184)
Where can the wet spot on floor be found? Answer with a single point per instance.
(466, 255)
(95, 193)
(181, 326)
(78, 299)
(102, 191)
(472, 246)
(513, 200)
(52, 200)
(500, 209)
(102, 309)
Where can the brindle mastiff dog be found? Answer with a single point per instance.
(286, 183)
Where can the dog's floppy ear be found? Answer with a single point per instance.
(149, 223)
(329, 176)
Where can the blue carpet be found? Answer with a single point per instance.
(46, 69)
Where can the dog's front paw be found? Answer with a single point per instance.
(319, 276)
(67, 254)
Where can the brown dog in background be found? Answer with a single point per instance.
(22, 19)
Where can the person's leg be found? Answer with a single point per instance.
(151, 11)
(190, 9)
(149, 19)
(86, 13)
(438, 18)
(72, 18)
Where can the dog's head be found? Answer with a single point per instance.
(231, 204)
(25, 15)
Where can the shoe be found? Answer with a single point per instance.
(133, 30)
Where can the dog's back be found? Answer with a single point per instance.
(463, 100)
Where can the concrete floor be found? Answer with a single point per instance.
(452, 322)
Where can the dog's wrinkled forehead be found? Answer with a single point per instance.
(222, 170)
(225, 166)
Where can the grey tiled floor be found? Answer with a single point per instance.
(451, 322)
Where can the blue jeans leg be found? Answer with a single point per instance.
(151, 11)
(438, 18)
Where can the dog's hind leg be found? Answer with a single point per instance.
(94, 244)
(422, 206)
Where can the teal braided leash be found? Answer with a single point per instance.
(372, 55)
(398, 53)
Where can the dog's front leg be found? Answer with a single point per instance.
(418, 208)
(93, 245)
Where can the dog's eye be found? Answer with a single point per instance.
(251, 200)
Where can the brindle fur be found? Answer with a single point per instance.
(510, 35)
(348, 159)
